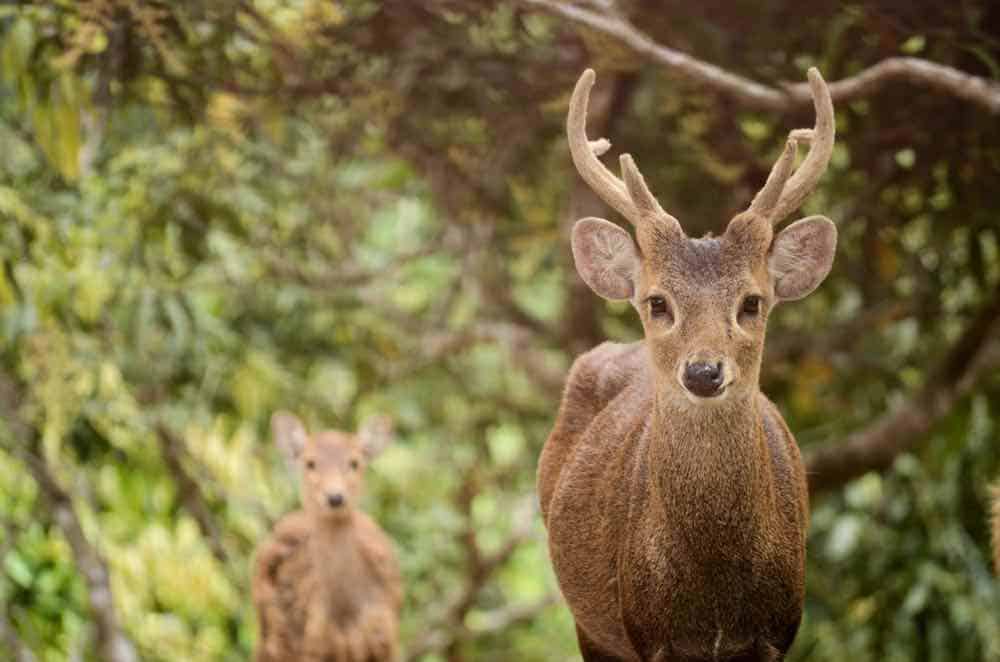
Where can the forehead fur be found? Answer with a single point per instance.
(705, 260)
(332, 442)
(742, 248)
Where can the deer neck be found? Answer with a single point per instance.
(338, 566)
(710, 469)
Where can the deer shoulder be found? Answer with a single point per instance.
(595, 379)
(281, 571)
(380, 559)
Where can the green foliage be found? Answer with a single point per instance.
(209, 211)
(901, 551)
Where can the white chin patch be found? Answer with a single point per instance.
(721, 396)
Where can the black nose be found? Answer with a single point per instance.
(335, 500)
(703, 379)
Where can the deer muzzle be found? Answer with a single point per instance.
(704, 379)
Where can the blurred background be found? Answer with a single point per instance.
(211, 210)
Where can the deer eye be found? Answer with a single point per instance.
(658, 307)
(751, 305)
(354, 464)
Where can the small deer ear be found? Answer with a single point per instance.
(375, 434)
(606, 258)
(801, 257)
(289, 435)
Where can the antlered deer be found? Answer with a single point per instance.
(673, 492)
(326, 584)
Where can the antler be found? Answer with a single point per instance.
(631, 198)
(781, 195)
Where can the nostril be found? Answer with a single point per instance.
(703, 379)
(335, 500)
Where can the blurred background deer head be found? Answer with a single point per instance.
(331, 463)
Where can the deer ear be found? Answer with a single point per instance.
(606, 258)
(375, 435)
(801, 257)
(289, 435)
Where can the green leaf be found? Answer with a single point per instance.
(914, 44)
(18, 569)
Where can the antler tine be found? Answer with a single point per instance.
(806, 176)
(638, 192)
(604, 183)
(643, 199)
(763, 203)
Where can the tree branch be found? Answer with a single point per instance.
(783, 353)
(8, 635)
(522, 345)
(343, 277)
(453, 630)
(941, 78)
(113, 644)
(875, 447)
(499, 620)
(191, 496)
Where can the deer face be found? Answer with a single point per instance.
(704, 302)
(331, 463)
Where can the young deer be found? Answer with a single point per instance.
(673, 492)
(326, 584)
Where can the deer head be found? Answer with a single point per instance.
(332, 462)
(704, 302)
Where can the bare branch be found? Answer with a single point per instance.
(944, 79)
(875, 447)
(499, 620)
(191, 496)
(344, 277)
(833, 338)
(453, 630)
(521, 345)
(112, 642)
(496, 621)
(8, 635)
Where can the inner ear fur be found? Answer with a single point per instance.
(606, 258)
(375, 435)
(289, 435)
(801, 256)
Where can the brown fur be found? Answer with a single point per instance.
(677, 521)
(675, 526)
(326, 584)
